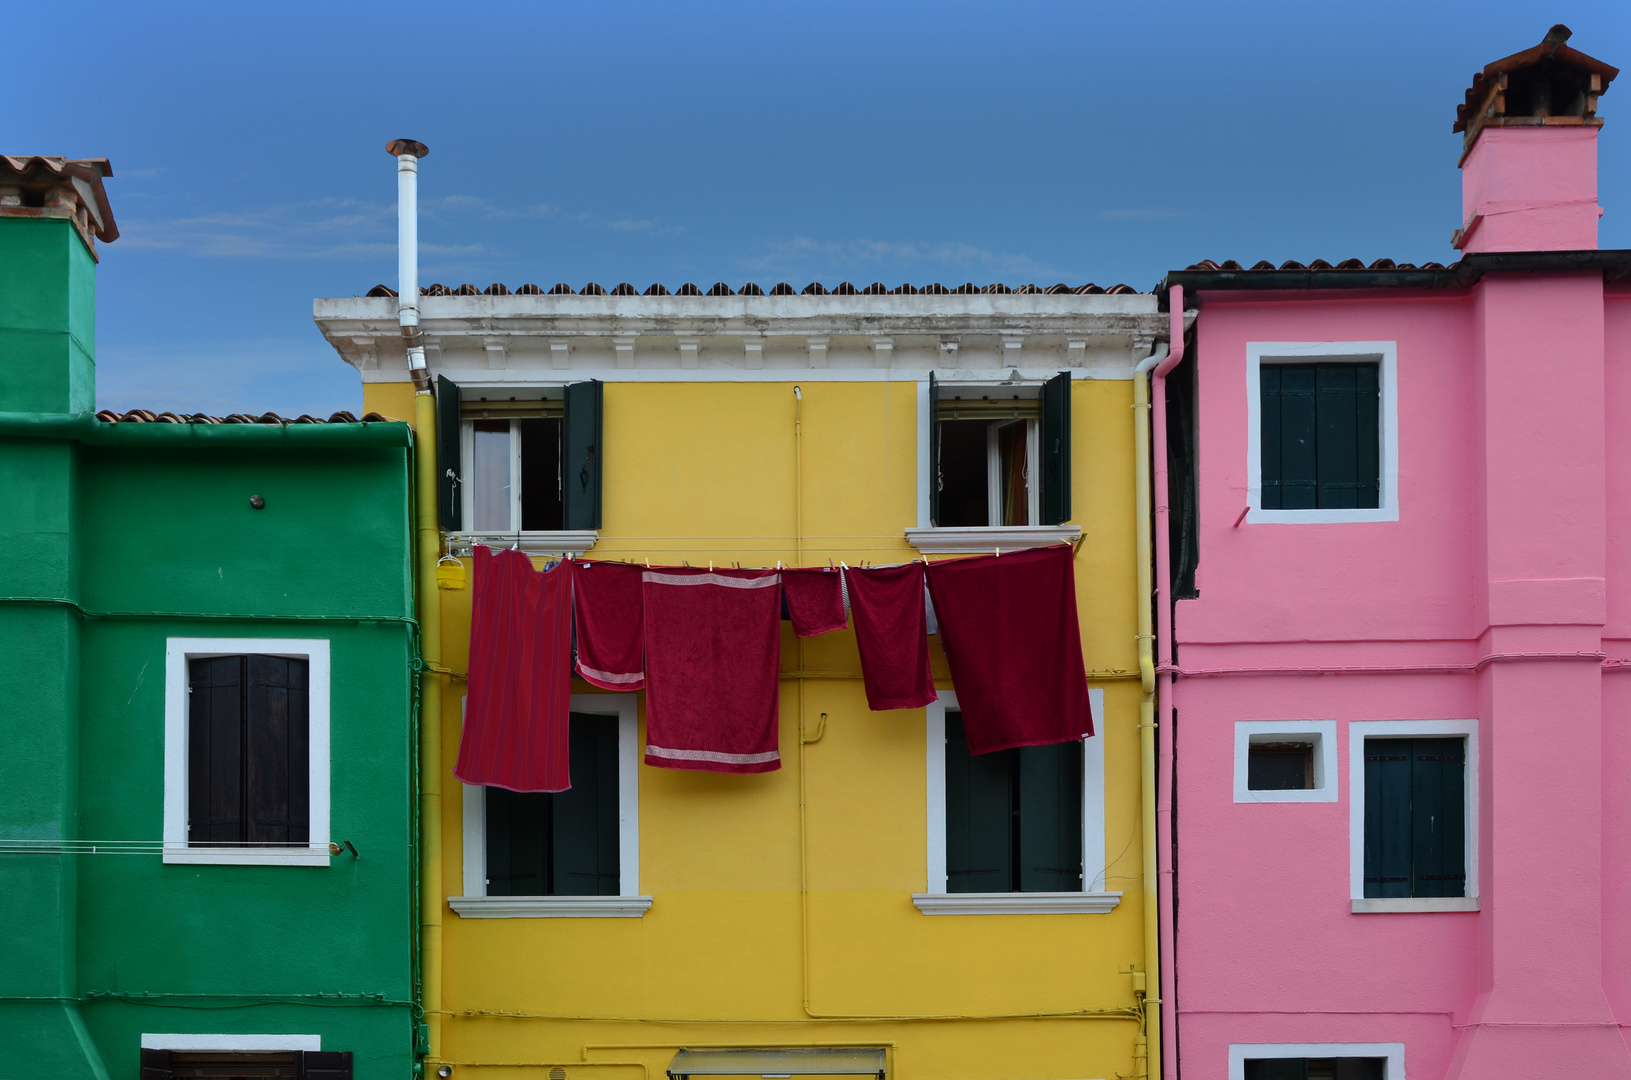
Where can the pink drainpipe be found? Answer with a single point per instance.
(1167, 684)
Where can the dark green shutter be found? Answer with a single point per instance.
(934, 451)
(1055, 452)
(585, 827)
(449, 467)
(1289, 462)
(1347, 435)
(1276, 1069)
(215, 750)
(979, 815)
(1438, 773)
(325, 1065)
(583, 455)
(277, 772)
(1050, 818)
(1415, 817)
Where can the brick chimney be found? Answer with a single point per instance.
(1529, 150)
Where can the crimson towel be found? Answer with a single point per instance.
(611, 644)
(815, 600)
(892, 632)
(1008, 625)
(516, 714)
(713, 669)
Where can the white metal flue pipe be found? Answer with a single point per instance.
(407, 153)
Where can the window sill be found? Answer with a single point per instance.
(1377, 905)
(1035, 903)
(550, 907)
(316, 855)
(1258, 516)
(978, 539)
(564, 542)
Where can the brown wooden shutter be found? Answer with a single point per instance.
(277, 762)
(215, 750)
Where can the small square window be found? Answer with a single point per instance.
(1285, 761)
(1341, 1068)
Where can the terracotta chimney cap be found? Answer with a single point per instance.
(42, 186)
(398, 147)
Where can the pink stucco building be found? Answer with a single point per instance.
(1397, 701)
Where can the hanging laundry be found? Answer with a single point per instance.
(516, 715)
(815, 599)
(891, 631)
(610, 637)
(713, 669)
(1008, 625)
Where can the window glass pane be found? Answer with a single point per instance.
(964, 473)
(540, 474)
(562, 843)
(1014, 468)
(488, 480)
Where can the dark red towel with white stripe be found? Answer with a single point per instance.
(611, 638)
(516, 714)
(1008, 625)
(815, 599)
(892, 633)
(713, 669)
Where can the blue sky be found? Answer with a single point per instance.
(953, 142)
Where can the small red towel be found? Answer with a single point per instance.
(713, 669)
(815, 599)
(611, 642)
(892, 633)
(1008, 625)
(516, 715)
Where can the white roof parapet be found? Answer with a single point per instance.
(751, 337)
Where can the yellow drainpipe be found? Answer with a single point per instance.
(1146, 724)
(430, 721)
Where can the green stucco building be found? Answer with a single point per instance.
(208, 688)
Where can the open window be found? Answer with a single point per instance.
(522, 462)
(999, 455)
(159, 1064)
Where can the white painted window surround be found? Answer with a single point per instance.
(1382, 353)
(622, 710)
(930, 540)
(533, 542)
(240, 1044)
(176, 654)
(1322, 733)
(1240, 1053)
(937, 901)
(1358, 732)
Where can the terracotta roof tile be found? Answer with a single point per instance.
(145, 416)
(815, 288)
(1317, 264)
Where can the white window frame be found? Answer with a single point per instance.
(1322, 733)
(1382, 353)
(177, 652)
(1392, 1051)
(932, 540)
(628, 904)
(1358, 732)
(935, 900)
(533, 542)
(236, 1044)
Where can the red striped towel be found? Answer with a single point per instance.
(713, 660)
(611, 644)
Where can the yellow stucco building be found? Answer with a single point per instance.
(830, 904)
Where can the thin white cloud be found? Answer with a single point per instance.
(251, 375)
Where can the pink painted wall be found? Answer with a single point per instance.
(1514, 537)
(1531, 189)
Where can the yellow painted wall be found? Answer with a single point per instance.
(724, 956)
